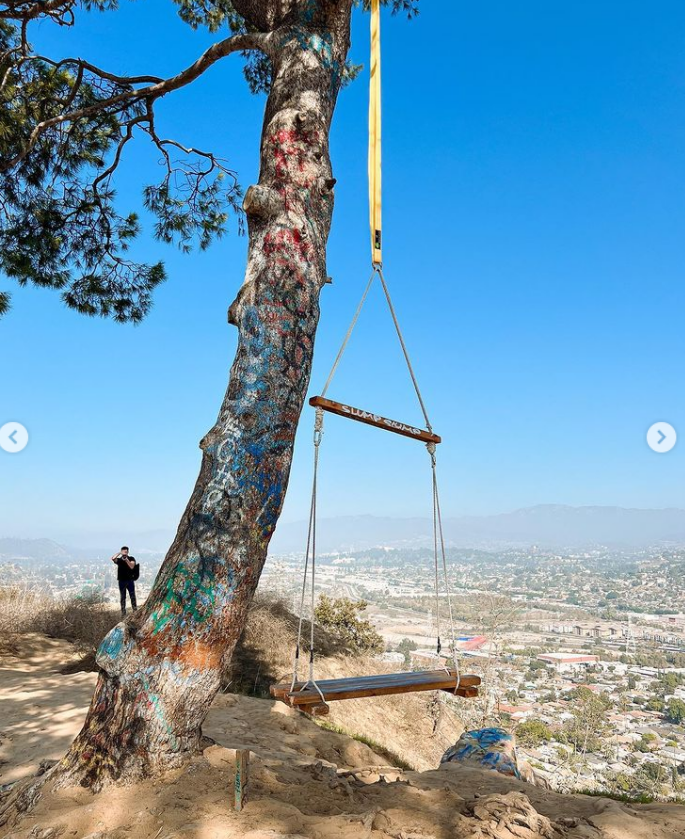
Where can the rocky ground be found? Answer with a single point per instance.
(305, 781)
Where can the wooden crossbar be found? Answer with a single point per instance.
(386, 684)
(369, 418)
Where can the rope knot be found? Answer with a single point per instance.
(318, 426)
(431, 451)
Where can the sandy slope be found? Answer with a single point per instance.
(306, 782)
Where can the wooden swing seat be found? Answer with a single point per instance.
(370, 418)
(361, 687)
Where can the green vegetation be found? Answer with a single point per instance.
(342, 618)
(675, 711)
(392, 758)
(406, 647)
(625, 797)
(533, 733)
(646, 743)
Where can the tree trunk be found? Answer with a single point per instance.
(160, 669)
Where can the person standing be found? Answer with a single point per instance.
(126, 576)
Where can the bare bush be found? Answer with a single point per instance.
(82, 620)
(264, 651)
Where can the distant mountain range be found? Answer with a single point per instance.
(36, 549)
(48, 551)
(547, 525)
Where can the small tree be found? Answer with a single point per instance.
(655, 703)
(675, 711)
(533, 733)
(406, 647)
(671, 681)
(341, 617)
(584, 731)
(646, 743)
(512, 696)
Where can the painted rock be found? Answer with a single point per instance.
(490, 748)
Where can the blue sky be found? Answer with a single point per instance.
(534, 198)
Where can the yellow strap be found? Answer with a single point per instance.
(375, 134)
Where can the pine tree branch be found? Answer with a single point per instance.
(125, 99)
(26, 10)
(64, 128)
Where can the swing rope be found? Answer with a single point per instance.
(438, 534)
(404, 347)
(378, 272)
(374, 164)
(311, 544)
(348, 335)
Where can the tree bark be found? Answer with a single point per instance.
(160, 669)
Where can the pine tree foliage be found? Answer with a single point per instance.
(343, 618)
(65, 126)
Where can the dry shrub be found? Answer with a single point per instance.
(17, 604)
(264, 652)
(81, 620)
(344, 619)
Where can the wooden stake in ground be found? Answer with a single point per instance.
(242, 774)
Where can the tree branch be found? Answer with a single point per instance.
(97, 71)
(120, 101)
(30, 11)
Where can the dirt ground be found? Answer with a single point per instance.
(305, 781)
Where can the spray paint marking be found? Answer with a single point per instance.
(192, 592)
(111, 646)
(153, 701)
(320, 44)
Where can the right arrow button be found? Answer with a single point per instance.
(661, 437)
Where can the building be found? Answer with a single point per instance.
(565, 662)
(393, 658)
(470, 642)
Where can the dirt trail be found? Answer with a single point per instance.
(41, 709)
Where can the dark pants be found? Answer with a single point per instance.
(124, 586)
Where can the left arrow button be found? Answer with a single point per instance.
(13, 437)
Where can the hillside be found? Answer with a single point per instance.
(305, 781)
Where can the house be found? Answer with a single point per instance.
(565, 662)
